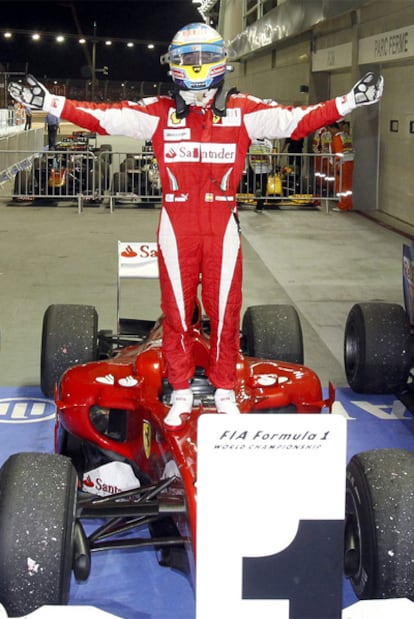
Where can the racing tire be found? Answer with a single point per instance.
(103, 169)
(377, 347)
(130, 164)
(69, 337)
(24, 185)
(37, 517)
(273, 332)
(120, 182)
(379, 524)
(107, 149)
(97, 180)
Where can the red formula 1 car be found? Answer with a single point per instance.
(115, 461)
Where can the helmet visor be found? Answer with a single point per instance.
(193, 55)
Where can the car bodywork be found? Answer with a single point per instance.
(117, 406)
(111, 395)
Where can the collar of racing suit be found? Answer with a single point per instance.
(202, 98)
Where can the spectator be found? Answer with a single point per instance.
(321, 147)
(342, 163)
(52, 125)
(28, 123)
(260, 164)
(294, 147)
(345, 127)
(293, 170)
(19, 113)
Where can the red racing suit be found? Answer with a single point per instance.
(201, 159)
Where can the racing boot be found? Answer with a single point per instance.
(181, 405)
(225, 401)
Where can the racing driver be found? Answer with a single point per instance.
(200, 135)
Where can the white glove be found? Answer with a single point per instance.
(365, 92)
(36, 96)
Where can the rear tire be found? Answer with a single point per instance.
(24, 185)
(120, 182)
(69, 337)
(377, 347)
(37, 517)
(273, 332)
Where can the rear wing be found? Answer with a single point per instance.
(136, 260)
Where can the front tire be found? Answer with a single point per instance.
(379, 531)
(37, 516)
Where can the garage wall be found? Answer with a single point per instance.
(277, 74)
(383, 181)
(396, 178)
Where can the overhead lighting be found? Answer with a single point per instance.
(82, 41)
(36, 36)
(60, 38)
(150, 46)
(108, 43)
(130, 44)
(8, 35)
(205, 5)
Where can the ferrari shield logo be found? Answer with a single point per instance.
(146, 437)
(173, 120)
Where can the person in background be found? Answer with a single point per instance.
(52, 126)
(294, 147)
(28, 123)
(260, 165)
(342, 162)
(200, 134)
(321, 147)
(293, 170)
(19, 113)
(345, 127)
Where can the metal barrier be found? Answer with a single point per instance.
(95, 175)
(291, 180)
(86, 176)
(135, 179)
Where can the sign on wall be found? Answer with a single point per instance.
(387, 46)
(331, 58)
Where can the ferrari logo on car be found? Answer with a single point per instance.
(146, 437)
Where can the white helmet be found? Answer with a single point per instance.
(197, 57)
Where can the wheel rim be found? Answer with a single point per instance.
(351, 351)
(352, 542)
